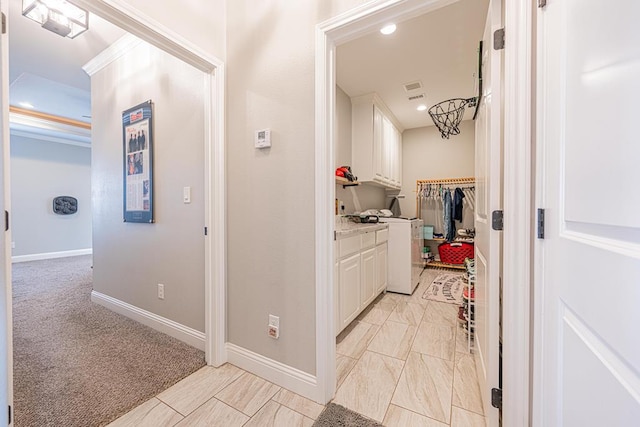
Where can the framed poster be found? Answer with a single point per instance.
(137, 138)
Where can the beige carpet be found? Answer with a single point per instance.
(77, 363)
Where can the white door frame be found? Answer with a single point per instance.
(517, 190)
(130, 19)
(6, 353)
(518, 208)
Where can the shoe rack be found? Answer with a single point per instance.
(466, 311)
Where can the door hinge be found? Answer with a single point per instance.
(206, 231)
(496, 398)
(542, 3)
(4, 23)
(9, 414)
(497, 220)
(6, 220)
(540, 223)
(498, 39)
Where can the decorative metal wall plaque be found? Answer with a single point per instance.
(65, 205)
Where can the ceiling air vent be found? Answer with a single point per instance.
(414, 97)
(408, 87)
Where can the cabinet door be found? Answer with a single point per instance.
(397, 158)
(393, 155)
(349, 273)
(368, 279)
(381, 267)
(379, 154)
(387, 144)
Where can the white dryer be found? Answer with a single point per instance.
(405, 254)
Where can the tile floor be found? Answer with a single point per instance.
(403, 362)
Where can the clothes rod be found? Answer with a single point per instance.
(469, 180)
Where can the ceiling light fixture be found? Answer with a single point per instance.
(388, 29)
(421, 107)
(59, 16)
(25, 104)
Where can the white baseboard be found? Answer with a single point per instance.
(51, 255)
(278, 373)
(174, 329)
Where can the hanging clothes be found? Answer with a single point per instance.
(457, 204)
(394, 207)
(449, 223)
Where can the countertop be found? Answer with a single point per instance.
(345, 229)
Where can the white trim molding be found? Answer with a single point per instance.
(48, 130)
(51, 255)
(117, 49)
(518, 220)
(174, 329)
(290, 378)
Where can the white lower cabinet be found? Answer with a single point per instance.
(349, 270)
(360, 274)
(368, 279)
(381, 267)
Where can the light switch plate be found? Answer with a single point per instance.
(186, 194)
(263, 138)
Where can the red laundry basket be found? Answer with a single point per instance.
(455, 252)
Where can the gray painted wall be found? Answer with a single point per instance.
(425, 155)
(271, 212)
(131, 259)
(40, 171)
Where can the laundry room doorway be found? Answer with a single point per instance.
(331, 36)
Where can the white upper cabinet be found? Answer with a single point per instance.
(376, 142)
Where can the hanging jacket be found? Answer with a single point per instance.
(457, 204)
(449, 224)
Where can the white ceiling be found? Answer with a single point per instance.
(45, 69)
(440, 49)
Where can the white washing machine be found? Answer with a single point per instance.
(405, 254)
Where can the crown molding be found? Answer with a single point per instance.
(120, 47)
(49, 128)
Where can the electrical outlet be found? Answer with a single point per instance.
(160, 291)
(13, 245)
(274, 327)
(274, 332)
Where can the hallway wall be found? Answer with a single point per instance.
(271, 209)
(130, 259)
(40, 171)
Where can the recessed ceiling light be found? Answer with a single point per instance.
(389, 29)
(25, 104)
(421, 107)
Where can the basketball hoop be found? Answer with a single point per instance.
(448, 114)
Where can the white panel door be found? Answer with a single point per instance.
(488, 198)
(6, 346)
(587, 348)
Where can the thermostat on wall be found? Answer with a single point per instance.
(263, 138)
